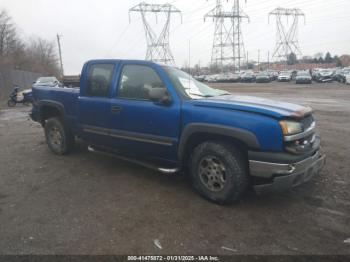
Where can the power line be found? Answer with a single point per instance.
(158, 47)
(287, 38)
(228, 47)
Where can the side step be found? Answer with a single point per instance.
(148, 165)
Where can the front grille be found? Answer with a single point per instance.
(307, 122)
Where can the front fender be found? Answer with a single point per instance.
(244, 136)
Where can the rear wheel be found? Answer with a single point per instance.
(11, 103)
(218, 172)
(58, 137)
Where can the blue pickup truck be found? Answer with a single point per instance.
(162, 118)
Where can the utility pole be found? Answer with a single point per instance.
(236, 8)
(268, 60)
(287, 35)
(158, 47)
(189, 56)
(247, 60)
(228, 47)
(60, 53)
(259, 60)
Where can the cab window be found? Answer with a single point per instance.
(136, 81)
(99, 80)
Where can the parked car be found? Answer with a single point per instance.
(47, 81)
(229, 78)
(211, 78)
(314, 73)
(162, 118)
(303, 77)
(248, 78)
(324, 76)
(200, 78)
(263, 77)
(340, 75)
(284, 77)
(273, 75)
(347, 77)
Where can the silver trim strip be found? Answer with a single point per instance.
(112, 133)
(306, 133)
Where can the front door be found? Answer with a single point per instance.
(147, 129)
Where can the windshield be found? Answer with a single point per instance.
(303, 74)
(190, 87)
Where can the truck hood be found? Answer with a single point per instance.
(251, 104)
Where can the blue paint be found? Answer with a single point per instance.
(256, 115)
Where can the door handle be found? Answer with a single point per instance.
(116, 109)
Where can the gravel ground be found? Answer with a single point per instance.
(92, 204)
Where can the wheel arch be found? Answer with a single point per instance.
(195, 134)
(49, 109)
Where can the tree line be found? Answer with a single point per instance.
(317, 59)
(35, 54)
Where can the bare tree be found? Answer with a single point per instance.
(9, 40)
(43, 57)
(36, 55)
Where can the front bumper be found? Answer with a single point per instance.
(286, 176)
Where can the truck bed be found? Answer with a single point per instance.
(67, 97)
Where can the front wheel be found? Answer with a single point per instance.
(11, 103)
(218, 172)
(58, 137)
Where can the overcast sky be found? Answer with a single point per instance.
(101, 29)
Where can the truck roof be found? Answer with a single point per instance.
(122, 60)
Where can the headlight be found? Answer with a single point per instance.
(290, 127)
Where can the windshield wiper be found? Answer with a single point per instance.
(226, 94)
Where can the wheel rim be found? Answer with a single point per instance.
(212, 173)
(55, 138)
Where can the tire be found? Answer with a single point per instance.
(11, 103)
(218, 172)
(59, 138)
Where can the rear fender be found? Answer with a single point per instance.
(45, 105)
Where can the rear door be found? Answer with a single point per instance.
(95, 102)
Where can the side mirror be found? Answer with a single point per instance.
(159, 95)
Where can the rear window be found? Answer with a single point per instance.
(99, 80)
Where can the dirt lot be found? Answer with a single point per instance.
(92, 204)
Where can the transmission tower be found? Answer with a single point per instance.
(158, 47)
(228, 47)
(287, 34)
